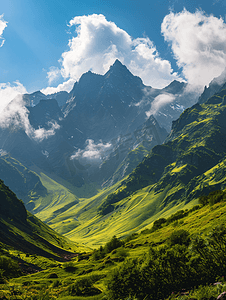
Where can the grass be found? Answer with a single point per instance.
(57, 277)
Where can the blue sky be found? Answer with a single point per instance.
(157, 40)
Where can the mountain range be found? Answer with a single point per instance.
(112, 157)
(87, 135)
(108, 141)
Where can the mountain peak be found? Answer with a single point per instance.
(120, 71)
(175, 87)
(118, 65)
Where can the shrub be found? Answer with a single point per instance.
(158, 224)
(83, 287)
(9, 267)
(121, 252)
(69, 267)
(180, 237)
(113, 244)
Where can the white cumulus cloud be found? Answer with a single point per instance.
(198, 43)
(3, 25)
(98, 42)
(8, 92)
(93, 151)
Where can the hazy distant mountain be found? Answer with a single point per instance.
(23, 182)
(88, 134)
(34, 98)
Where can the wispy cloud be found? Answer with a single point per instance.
(159, 102)
(3, 25)
(198, 42)
(15, 115)
(98, 42)
(94, 152)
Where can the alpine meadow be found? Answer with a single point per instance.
(113, 160)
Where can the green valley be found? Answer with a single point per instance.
(172, 176)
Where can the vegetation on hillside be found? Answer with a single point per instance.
(196, 144)
(167, 261)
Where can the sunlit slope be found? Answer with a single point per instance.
(68, 218)
(190, 163)
(59, 197)
(196, 144)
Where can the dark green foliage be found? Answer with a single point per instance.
(131, 237)
(113, 244)
(124, 281)
(213, 197)
(9, 268)
(121, 253)
(171, 268)
(174, 217)
(69, 267)
(177, 216)
(98, 254)
(180, 237)
(158, 224)
(83, 287)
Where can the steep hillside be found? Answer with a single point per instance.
(195, 146)
(21, 231)
(167, 261)
(190, 163)
(23, 182)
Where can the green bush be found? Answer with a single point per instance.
(83, 287)
(158, 224)
(176, 266)
(113, 244)
(9, 267)
(180, 237)
(69, 267)
(213, 197)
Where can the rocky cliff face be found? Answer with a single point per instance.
(191, 161)
(91, 136)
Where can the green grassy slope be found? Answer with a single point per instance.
(87, 275)
(22, 231)
(172, 176)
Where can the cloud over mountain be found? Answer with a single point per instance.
(93, 151)
(15, 115)
(198, 42)
(159, 102)
(8, 92)
(98, 43)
